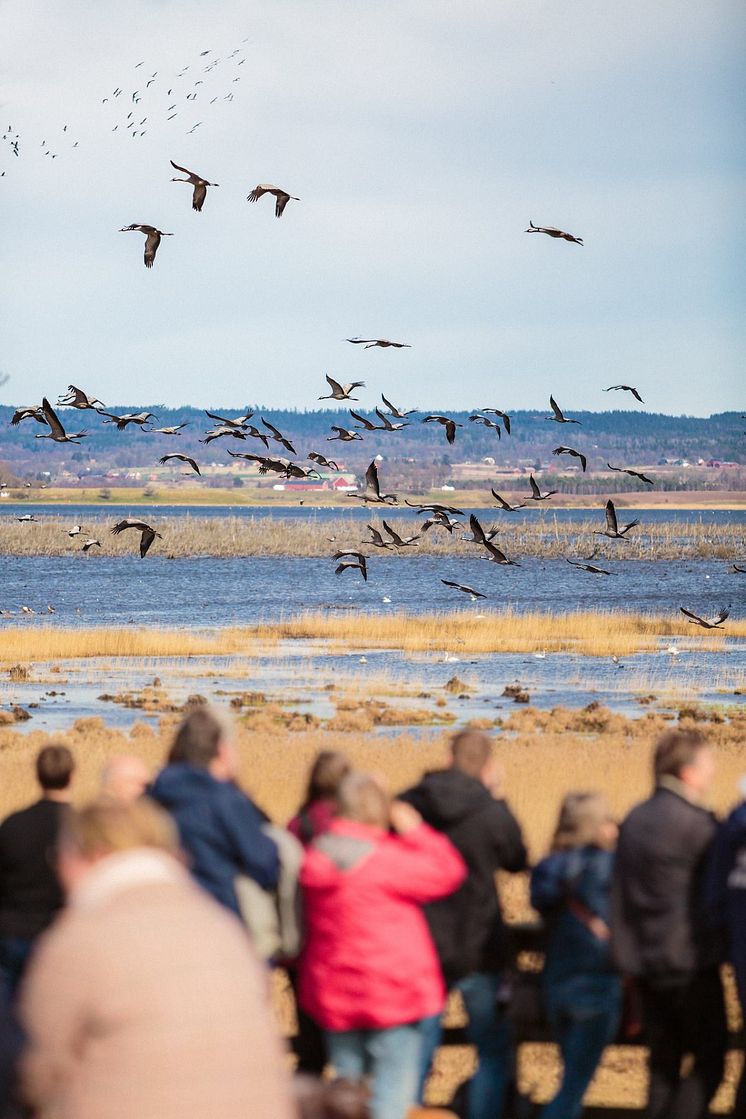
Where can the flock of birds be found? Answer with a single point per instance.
(436, 515)
(205, 83)
(161, 99)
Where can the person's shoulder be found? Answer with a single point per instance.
(23, 816)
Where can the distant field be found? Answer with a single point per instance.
(473, 498)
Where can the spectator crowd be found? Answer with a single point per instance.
(139, 932)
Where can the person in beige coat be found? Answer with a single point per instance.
(145, 999)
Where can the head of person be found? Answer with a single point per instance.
(361, 798)
(205, 740)
(329, 769)
(109, 827)
(125, 777)
(686, 756)
(471, 753)
(584, 821)
(55, 766)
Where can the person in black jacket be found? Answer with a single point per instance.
(661, 935)
(464, 802)
(30, 893)
(219, 826)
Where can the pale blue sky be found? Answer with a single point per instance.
(421, 137)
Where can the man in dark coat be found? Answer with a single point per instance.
(219, 826)
(30, 893)
(661, 935)
(464, 802)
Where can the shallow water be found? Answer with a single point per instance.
(298, 674)
(208, 591)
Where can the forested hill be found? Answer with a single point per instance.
(619, 437)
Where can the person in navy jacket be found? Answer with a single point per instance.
(219, 826)
(571, 889)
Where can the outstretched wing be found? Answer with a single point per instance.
(371, 479)
(198, 197)
(152, 241)
(147, 538)
(611, 521)
(555, 408)
(51, 418)
(534, 487)
(281, 203)
(182, 169)
(694, 617)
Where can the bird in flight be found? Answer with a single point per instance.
(497, 556)
(147, 534)
(612, 530)
(474, 595)
(26, 517)
(625, 388)
(91, 544)
(706, 623)
(121, 422)
(478, 418)
(277, 436)
(396, 540)
(397, 412)
(368, 425)
(219, 432)
(551, 231)
(387, 424)
(200, 185)
(372, 491)
(152, 240)
(506, 504)
(56, 430)
(536, 494)
(479, 536)
(76, 398)
(351, 560)
(434, 508)
(343, 435)
(281, 196)
(739, 570)
(330, 464)
(341, 392)
(382, 343)
(449, 425)
(590, 567)
(634, 473)
(180, 458)
(503, 416)
(575, 454)
(239, 421)
(75, 531)
(376, 538)
(21, 414)
(558, 416)
(175, 430)
(439, 519)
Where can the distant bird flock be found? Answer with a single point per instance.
(172, 103)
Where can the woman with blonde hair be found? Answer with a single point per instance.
(571, 890)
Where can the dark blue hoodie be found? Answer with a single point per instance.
(220, 829)
(584, 874)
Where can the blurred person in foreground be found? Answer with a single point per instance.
(661, 934)
(30, 893)
(465, 803)
(319, 806)
(369, 973)
(124, 777)
(726, 898)
(145, 998)
(571, 889)
(219, 826)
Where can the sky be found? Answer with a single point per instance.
(421, 136)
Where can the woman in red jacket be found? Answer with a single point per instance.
(369, 972)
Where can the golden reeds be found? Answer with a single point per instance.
(545, 536)
(588, 633)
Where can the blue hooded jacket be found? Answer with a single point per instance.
(219, 828)
(584, 874)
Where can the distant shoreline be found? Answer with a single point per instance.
(472, 499)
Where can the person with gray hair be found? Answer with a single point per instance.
(219, 826)
(369, 973)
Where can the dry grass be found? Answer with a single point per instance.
(590, 633)
(586, 749)
(593, 633)
(543, 536)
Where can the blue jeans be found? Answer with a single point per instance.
(490, 1033)
(391, 1058)
(14, 954)
(583, 1013)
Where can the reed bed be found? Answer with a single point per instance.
(589, 633)
(546, 536)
